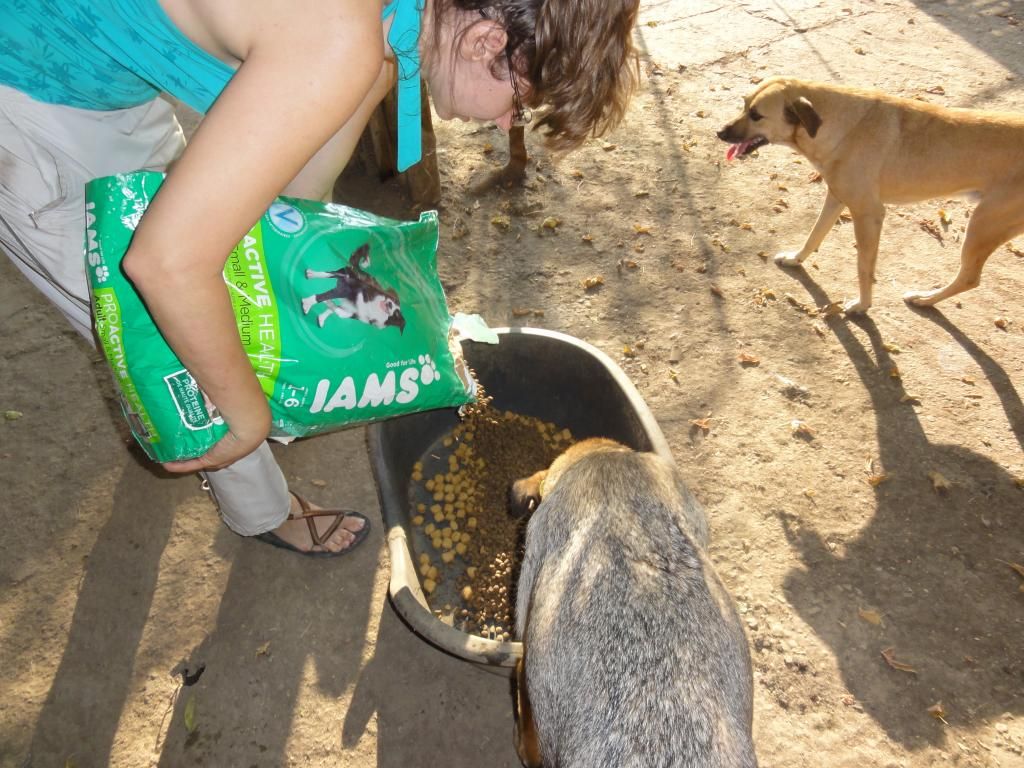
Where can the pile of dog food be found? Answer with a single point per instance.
(469, 546)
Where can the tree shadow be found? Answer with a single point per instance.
(931, 560)
(280, 615)
(92, 683)
(453, 712)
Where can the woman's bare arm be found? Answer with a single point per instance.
(302, 81)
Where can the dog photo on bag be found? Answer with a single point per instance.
(873, 149)
(633, 653)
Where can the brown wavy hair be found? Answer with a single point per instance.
(576, 55)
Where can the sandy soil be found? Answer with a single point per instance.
(885, 618)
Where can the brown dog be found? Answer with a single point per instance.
(872, 149)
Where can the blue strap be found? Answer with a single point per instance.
(404, 37)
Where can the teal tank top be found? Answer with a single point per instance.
(113, 54)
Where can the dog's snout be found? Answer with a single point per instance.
(523, 497)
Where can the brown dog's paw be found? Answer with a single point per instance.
(789, 259)
(920, 298)
(856, 307)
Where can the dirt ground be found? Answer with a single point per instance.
(872, 558)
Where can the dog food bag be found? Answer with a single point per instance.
(341, 313)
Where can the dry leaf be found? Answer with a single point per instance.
(890, 347)
(587, 238)
(1017, 567)
(628, 351)
(894, 372)
(877, 479)
(521, 312)
(593, 282)
(190, 714)
(944, 217)
(641, 229)
(939, 483)
(887, 654)
(831, 310)
(937, 711)
(967, 380)
(704, 424)
(500, 221)
(319, 483)
(607, 147)
(800, 429)
(859, 51)
(931, 229)
(12, 415)
(870, 616)
(551, 222)
(906, 397)
(264, 650)
(746, 359)
(716, 290)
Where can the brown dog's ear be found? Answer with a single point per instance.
(524, 495)
(801, 112)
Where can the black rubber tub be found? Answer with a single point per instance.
(537, 373)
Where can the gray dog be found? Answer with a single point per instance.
(634, 656)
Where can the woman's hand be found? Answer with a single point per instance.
(223, 453)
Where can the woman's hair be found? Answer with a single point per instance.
(576, 55)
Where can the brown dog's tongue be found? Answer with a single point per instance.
(730, 153)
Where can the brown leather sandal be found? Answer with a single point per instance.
(309, 515)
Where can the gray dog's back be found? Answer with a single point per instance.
(634, 653)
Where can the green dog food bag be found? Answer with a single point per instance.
(340, 311)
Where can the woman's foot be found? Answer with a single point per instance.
(295, 532)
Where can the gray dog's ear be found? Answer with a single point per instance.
(801, 112)
(524, 495)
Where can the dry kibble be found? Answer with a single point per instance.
(429, 585)
(417, 520)
(482, 456)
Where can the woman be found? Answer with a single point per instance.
(286, 89)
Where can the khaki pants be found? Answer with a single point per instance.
(47, 154)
